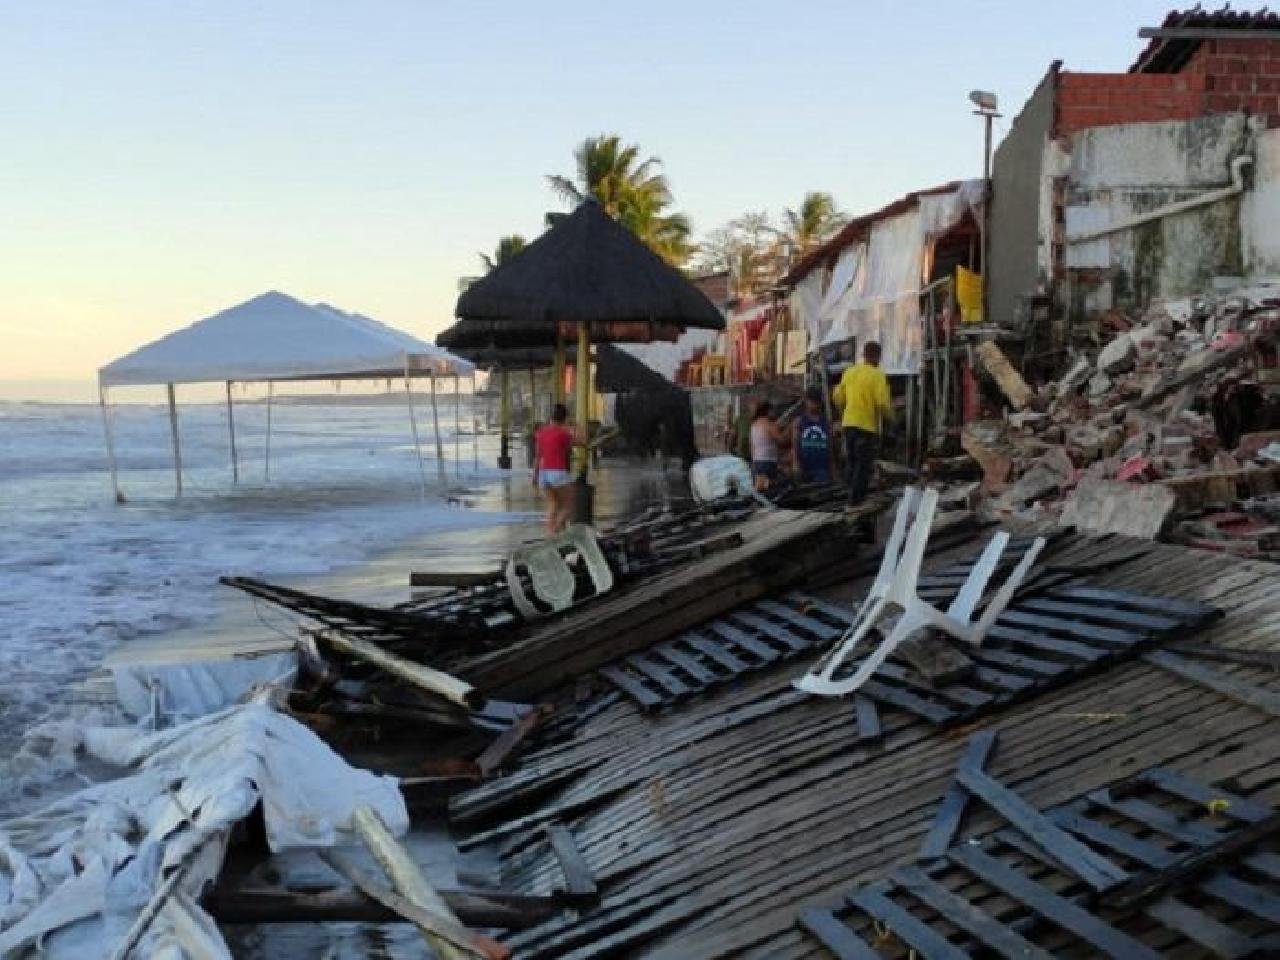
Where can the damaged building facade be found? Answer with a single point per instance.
(1114, 190)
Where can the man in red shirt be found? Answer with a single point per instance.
(552, 445)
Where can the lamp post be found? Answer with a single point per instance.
(987, 105)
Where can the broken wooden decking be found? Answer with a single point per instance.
(778, 548)
(709, 827)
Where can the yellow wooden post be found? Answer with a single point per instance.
(582, 382)
(557, 369)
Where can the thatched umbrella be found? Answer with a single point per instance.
(482, 346)
(591, 278)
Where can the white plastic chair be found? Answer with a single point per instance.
(550, 576)
(894, 593)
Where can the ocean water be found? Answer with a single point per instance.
(80, 573)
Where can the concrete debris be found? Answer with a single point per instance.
(1108, 506)
(1170, 427)
(1006, 377)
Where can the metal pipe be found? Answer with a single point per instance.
(413, 425)
(266, 463)
(231, 427)
(457, 425)
(111, 443)
(173, 432)
(475, 428)
(1235, 188)
(435, 425)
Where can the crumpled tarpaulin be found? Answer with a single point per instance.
(183, 691)
(75, 875)
(875, 286)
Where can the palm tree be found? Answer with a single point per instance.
(816, 220)
(632, 190)
(507, 248)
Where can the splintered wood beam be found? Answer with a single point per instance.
(946, 823)
(1263, 699)
(579, 884)
(496, 753)
(419, 675)
(453, 578)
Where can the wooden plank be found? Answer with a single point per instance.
(1162, 821)
(689, 664)
(1243, 896)
(868, 718)
(715, 650)
(823, 631)
(1008, 660)
(988, 931)
(743, 639)
(453, 578)
(1263, 699)
(1238, 807)
(1012, 683)
(633, 687)
(1087, 631)
(1199, 927)
(1063, 912)
(496, 753)
(953, 692)
(1090, 611)
(946, 822)
(1148, 854)
(579, 883)
(836, 936)
(911, 931)
(897, 697)
(1146, 887)
(774, 631)
(1188, 609)
(659, 674)
(834, 611)
(1091, 867)
(1044, 643)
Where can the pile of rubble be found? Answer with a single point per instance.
(1168, 427)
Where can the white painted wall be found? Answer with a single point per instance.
(1260, 209)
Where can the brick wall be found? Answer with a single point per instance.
(1222, 76)
(1239, 75)
(1102, 99)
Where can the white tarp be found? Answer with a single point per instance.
(875, 287)
(75, 875)
(176, 692)
(276, 337)
(806, 306)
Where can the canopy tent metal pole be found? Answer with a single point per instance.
(457, 425)
(173, 431)
(413, 424)
(435, 425)
(266, 469)
(231, 427)
(475, 428)
(111, 443)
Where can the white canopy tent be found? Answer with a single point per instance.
(275, 337)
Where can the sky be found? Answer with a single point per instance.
(164, 160)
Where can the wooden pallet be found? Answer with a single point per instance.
(1183, 865)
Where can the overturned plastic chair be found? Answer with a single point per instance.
(894, 593)
(551, 579)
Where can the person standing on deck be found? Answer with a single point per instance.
(552, 444)
(862, 395)
(765, 439)
(811, 441)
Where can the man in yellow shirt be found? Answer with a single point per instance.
(863, 397)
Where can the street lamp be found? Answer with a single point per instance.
(987, 104)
